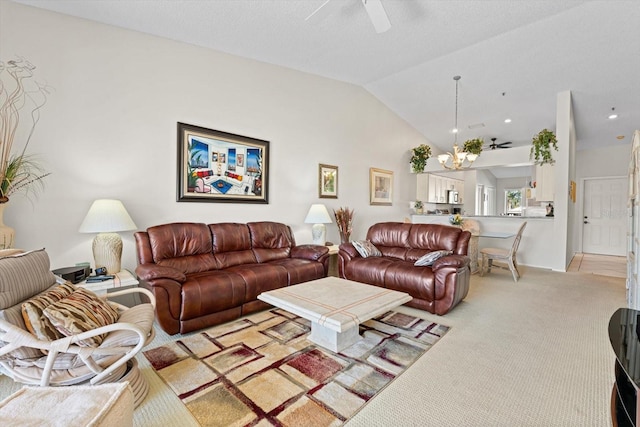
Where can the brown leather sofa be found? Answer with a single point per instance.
(203, 275)
(436, 289)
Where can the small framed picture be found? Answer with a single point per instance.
(380, 187)
(328, 182)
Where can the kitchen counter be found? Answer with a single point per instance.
(479, 217)
(534, 247)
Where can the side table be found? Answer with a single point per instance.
(333, 260)
(122, 280)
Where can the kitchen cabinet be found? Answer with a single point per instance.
(432, 188)
(545, 183)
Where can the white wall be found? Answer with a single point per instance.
(109, 131)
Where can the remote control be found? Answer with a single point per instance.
(92, 279)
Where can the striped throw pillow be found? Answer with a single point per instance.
(80, 312)
(35, 321)
(430, 258)
(365, 248)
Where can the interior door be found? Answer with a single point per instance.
(479, 199)
(490, 201)
(604, 230)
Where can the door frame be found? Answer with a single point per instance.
(581, 198)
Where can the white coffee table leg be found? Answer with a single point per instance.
(332, 340)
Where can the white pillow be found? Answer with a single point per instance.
(365, 248)
(430, 258)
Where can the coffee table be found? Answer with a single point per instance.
(335, 307)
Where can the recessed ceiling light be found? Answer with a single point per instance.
(620, 137)
(507, 120)
(613, 116)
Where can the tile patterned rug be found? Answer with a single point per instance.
(261, 371)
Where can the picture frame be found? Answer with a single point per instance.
(380, 187)
(327, 181)
(209, 171)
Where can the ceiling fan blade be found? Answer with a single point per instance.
(317, 10)
(377, 15)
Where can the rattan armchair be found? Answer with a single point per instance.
(67, 361)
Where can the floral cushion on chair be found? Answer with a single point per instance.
(79, 312)
(366, 249)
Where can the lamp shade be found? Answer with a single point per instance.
(318, 214)
(107, 216)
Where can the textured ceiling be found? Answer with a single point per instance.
(513, 56)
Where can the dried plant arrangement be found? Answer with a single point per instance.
(344, 220)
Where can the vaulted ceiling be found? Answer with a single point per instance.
(514, 56)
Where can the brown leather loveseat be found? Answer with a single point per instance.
(203, 275)
(436, 288)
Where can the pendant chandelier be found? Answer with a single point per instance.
(456, 160)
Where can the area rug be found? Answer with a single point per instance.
(262, 371)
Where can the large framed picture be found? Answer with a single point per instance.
(215, 166)
(380, 187)
(328, 182)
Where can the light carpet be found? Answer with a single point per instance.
(261, 370)
(531, 353)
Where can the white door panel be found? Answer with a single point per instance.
(605, 224)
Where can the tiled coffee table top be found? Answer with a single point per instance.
(335, 303)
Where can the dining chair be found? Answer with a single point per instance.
(504, 255)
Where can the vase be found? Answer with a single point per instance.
(344, 237)
(7, 234)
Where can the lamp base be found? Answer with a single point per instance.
(319, 234)
(107, 251)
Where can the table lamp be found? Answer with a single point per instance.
(106, 217)
(318, 216)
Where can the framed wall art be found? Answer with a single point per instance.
(216, 166)
(380, 187)
(327, 181)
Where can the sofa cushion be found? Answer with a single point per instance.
(260, 278)
(430, 258)
(184, 246)
(300, 270)
(433, 237)
(270, 240)
(79, 312)
(210, 292)
(32, 312)
(365, 248)
(231, 244)
(391, 234)
(370, 270)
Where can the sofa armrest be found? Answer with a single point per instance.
(310, 252)
(154, 271)
(348, 251)
(456, 261)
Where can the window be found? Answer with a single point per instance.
(513, 202)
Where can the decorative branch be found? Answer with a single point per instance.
(18, 171)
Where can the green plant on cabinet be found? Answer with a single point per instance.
(541, 147)
(419, 157)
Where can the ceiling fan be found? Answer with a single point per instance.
(374, 9)
(493, 145)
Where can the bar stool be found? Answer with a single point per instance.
(505, 255)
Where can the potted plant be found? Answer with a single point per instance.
(473, 146)
(418, 206)
(541, 147)
(19, 171)
(419, 157)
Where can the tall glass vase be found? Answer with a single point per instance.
(7, 234)
(344, 237)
